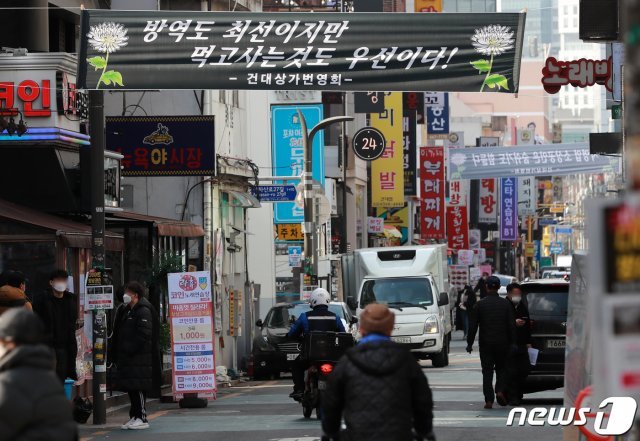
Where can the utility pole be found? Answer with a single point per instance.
(96, 129)
(310, 243)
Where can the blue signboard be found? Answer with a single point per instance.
(163, 145)
(536, 247)
(556, 248)
(564, 230)
(508, 209)
(295, 256)
(274, 193)
(288, 154)
(547, 222)
(438, 118)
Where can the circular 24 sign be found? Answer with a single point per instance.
(369, 143)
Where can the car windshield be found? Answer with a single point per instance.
(397, 292)
(505, 280)
(281, 315)
(555, 274)
(548, 303)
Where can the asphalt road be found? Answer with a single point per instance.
(262, 411)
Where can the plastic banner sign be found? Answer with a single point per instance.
(287, 51)
(295, 256)
(375, 225)
(458, 276)
(465, 257)
(432, 193)
(527, 196)
(438, 119)
(458, 228)
(191, 318)
(488, 207)
(508, 209)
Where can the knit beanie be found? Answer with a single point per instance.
(377, 318)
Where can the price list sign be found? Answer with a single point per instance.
(191, 316)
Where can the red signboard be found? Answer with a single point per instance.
(432, 178)
(577, 73)
(458, 228)
(33, 97)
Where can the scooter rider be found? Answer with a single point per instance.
(319, 319)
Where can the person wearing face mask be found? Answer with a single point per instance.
(32, 401)
(58, 310)
(135, 351)
(518, 366)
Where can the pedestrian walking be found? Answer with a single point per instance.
(134, 357)
(518, 366)
(467, 302)
(33, 405)
(378, 387)
(12, 291)
(494, 316)
(481, 286)
(58, 310)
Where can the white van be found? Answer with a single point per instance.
(414, 283)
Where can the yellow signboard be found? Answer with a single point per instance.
(428, 5)
(387, 172)
(546, 240)
(557, 209)
(289, 232)
(529, 249)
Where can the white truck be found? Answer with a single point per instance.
(413, 281)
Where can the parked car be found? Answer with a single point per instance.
(554, 272)
(504, 281)
(547, 301)
(272, 350)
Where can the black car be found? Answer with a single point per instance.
(272, 350)
(548, 302)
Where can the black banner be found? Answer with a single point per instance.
(324, 51)
(410, 104)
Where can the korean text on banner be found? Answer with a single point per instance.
(457, 228)
(488, 195)
(527, 160)
(438, 119)
(432, 193)
(289, 51)
(508, 209)
(410, 105)
(387, 172)
(191, 318)
(428, 5)
(288, 152)
(527, 196)
(458, 190)
(163, 145)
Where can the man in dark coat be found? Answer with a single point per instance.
(482, 285)
(58, 310)
(134, 357)
(494, 316)
(378, 387)
(33, 405)
(518, 366)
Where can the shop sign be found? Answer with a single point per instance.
(375, 225)
(438, 119)
(459, 276)
(428, 5)
(368, 102)
(527, 196)
(508, 209)
(529, 160)
(70, 100)
(465, 257)
(191, 318)
(288, 152)
(322, 51)
(163, 145)
(289, 232)
(432, 193)
(577, 73)
(488, 197)
(387, 172)
(556, 248)
(458, 228)
(32, 96)
(410, 105)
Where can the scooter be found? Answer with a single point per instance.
(316, 379)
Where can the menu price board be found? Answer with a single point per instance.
(192, 330)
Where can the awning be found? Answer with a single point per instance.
(166, 227)
(73, 234)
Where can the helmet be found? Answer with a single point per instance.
(320, 296)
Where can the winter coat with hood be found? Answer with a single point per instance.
(134, 342)
(381, 392)
(11, 297)
(33, 406)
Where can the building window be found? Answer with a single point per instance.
(235, 98)
(222, 96)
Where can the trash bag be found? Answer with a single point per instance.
(82, 409)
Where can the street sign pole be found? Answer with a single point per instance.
(96, 128)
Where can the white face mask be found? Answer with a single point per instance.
(516, 299)
(126, 299)
(3, 350)
(60, 286)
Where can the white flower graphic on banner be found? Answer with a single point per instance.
(107, 38)
(492, 41)
(458, 159)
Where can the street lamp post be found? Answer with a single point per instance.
(310, 245)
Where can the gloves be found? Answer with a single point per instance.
(469, 348)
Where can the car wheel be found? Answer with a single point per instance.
(440, 359)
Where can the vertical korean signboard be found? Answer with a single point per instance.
(411, 102)
(527, 196)
(288, 153)
(437, 116)
(458, 189)
(191, 316)
(458, 228)
(508, 209)
(488, 212)
(387, 172)
(432, 210)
